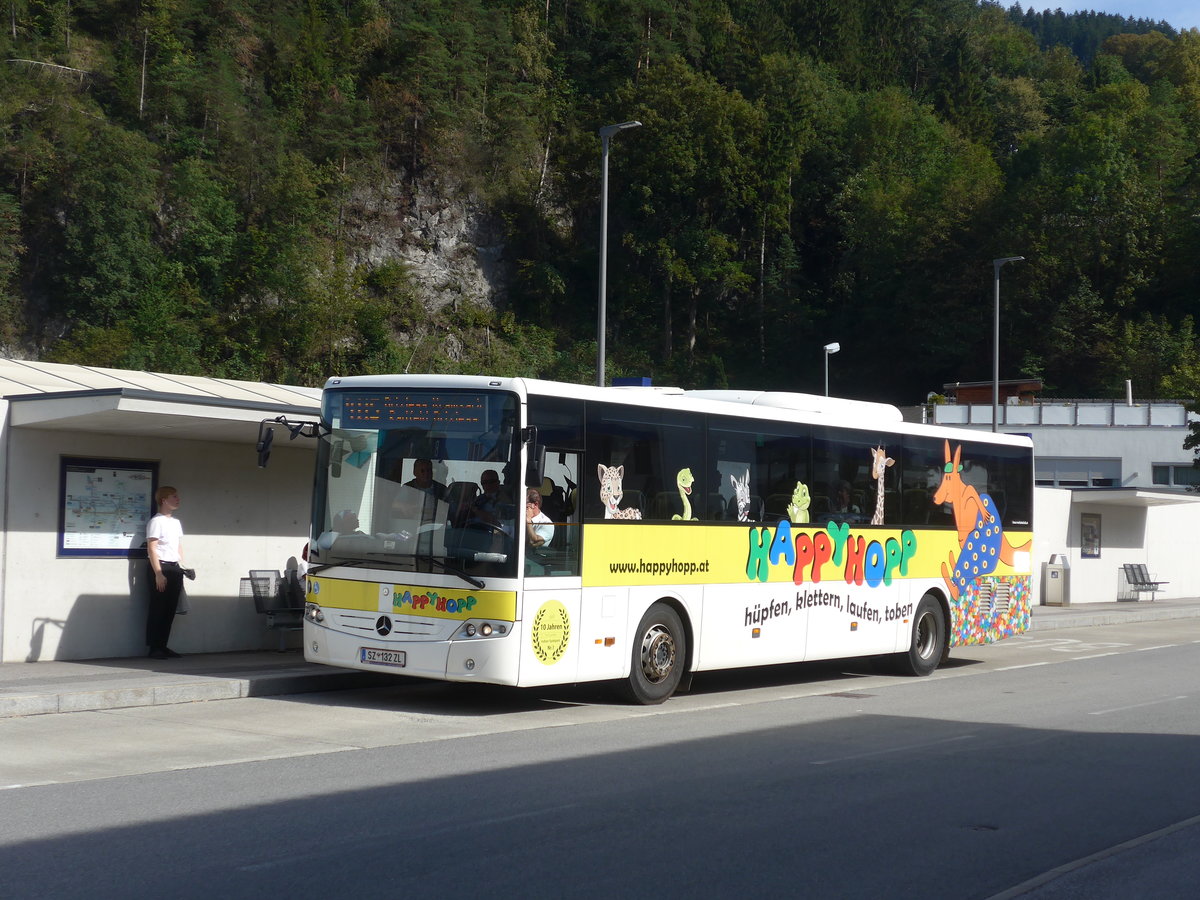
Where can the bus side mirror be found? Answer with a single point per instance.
(266, 435)
(537, 462)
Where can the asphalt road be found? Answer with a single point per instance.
(1050, 767)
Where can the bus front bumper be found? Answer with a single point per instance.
(490, 660)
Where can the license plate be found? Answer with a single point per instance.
(381, 657)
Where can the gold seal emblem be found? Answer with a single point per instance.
(550, 632)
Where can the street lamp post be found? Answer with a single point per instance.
(830, 349)
(996, 264)
(605, 134)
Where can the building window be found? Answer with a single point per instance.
(1078, 472)
(1176, 476)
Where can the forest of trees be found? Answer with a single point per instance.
(177, 176)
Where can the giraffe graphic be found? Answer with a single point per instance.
(879, 463)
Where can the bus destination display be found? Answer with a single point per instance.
(435, 411)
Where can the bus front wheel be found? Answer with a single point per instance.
(928, 641)
(659, 656)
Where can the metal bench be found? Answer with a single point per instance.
(279, 598)
(1138, 580)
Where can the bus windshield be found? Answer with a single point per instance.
(418, 480)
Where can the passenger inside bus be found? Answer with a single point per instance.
(490, 507)
(842, 506)
(422, 480)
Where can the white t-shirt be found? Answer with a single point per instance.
(542, 527)
(168, 531)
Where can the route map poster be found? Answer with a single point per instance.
(105, 506)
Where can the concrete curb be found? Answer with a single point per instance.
(1082, 618)
(153, 692)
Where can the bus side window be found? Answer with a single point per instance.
(642, 464)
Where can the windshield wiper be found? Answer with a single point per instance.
(358, 560)
(454, 570)
(342, 561)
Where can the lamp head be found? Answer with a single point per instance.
(609, 130)
(833, 348)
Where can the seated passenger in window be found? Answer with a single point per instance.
(422, 480)
(491, 507)
(842, 508)
(538, 530)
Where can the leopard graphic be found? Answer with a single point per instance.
(611, 492)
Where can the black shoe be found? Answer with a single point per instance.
(158, 654)
(171, 653)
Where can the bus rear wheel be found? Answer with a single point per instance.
(659, 656)
(927, 644)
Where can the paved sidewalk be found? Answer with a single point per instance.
(28, 689)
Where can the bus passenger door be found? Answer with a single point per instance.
(551, 605)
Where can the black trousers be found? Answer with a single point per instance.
(161, 614)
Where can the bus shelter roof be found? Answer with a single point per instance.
(93, 399)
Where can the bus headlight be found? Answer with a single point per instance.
(312, 612)
(482, 630)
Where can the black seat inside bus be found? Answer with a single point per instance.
(459, 497)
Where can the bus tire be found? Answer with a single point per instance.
(927, 643)
(658, 658)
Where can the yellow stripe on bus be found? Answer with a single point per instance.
(632, 553)
(411, 599)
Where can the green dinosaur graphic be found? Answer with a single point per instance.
(683, 481)
(798, 509)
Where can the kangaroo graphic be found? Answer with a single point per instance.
(981, 537)
(611, 492)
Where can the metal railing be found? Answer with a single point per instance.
(1115, 413)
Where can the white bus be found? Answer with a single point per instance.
(689, 531)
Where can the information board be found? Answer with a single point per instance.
(105, 505)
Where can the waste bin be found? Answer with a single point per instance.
(1056, 581)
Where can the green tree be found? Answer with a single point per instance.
(11, 249)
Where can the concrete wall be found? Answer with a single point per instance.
(1051, 513)
(1122, 537)
(235, 516)
(1170, 549)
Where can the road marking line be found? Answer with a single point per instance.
(1030, 665)
(1105, 712)
(904, 749)
(1092, 656)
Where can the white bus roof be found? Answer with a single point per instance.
(810, 408)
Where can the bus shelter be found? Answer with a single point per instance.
(83, 449)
